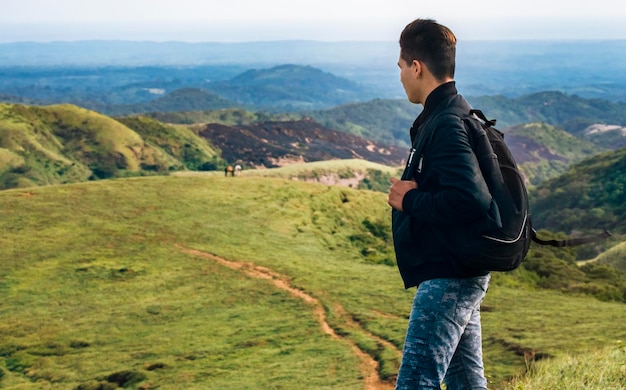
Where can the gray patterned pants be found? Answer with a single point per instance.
(443, 341)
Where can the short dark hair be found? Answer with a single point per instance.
(431, 43)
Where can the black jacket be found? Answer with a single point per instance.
(451, 203)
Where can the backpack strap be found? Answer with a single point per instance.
(482, 117)
(571, 241)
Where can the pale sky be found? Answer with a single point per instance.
(328, 20)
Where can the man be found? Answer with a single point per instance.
(440, 203)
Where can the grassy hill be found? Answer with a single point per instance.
(230, 283)
(179, 142)
(590, 195)
(65, 144)
(615, 256)
(543, 151)
(381, 120)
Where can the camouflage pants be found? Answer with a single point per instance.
(443, 341)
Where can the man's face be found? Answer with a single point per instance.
(408, 78)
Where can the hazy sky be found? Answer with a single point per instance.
(253, 20)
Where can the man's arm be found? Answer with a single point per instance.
(461, 194)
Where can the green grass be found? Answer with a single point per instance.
(94, 282)
(62, 144)
(615, 256)
(522, 327)
(594, 370)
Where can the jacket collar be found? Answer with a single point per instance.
(437, 96)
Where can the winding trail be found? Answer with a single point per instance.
(369, 366)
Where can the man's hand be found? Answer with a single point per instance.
(397, 190)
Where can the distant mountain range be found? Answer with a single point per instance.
(184, 99)
(588, 68)
(283, 88)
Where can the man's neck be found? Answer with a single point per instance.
(431, 86)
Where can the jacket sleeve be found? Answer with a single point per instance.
(456, 191)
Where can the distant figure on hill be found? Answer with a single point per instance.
(229, 169)
(440, 200)
(237, 170)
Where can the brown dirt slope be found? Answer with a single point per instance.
(273, 144)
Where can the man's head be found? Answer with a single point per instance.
(427, 57)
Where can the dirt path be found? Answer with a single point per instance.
(369, 366)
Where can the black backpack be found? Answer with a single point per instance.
(503, 249)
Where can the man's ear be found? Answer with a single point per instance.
(419, 68)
